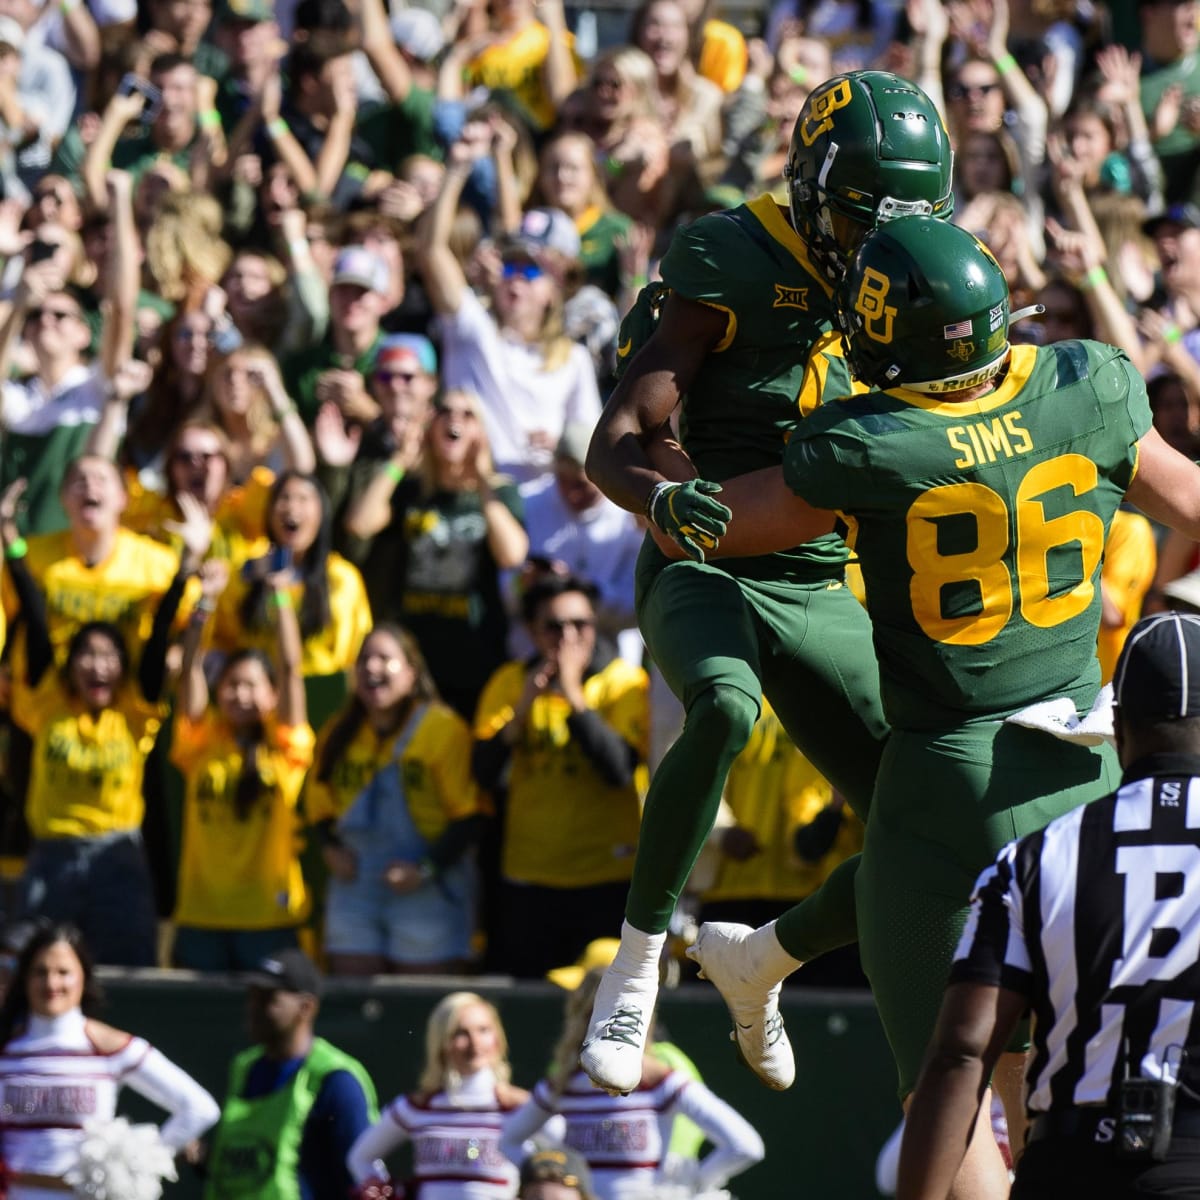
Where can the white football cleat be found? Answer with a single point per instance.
(726, 957)
(616, 1038)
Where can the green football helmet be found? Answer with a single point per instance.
(924, 305)
(867, 147)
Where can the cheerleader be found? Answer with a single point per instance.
(453, 1120)
(624, 1138)
(60, 1069)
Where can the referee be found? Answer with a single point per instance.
(1093, 925)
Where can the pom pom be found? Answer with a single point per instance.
(119, 1161)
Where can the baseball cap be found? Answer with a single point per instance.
(419, 33)
(1158, 673)
(548, 229)
(288, 970)
(573, 447)
(558, 1166)
(408, 351)
(358, 265)
(598, 953)
(1185, 215)
(255, 11)
(11, 33)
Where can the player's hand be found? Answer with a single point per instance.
(689, 516)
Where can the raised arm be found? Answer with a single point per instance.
(385, 58)
(559, 76)
(97, 162)
(38, 652)
(440, 270)
(335, 150)
(195, 531)
(193, 687)
(122, 276)
(298, 452)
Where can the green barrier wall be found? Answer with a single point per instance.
(822, 1136)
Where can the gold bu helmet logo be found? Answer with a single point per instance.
(871, 304)
(822, 106)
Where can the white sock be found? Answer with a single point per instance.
(638, 954)
(771, 961)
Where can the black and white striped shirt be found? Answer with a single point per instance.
(1096, 919)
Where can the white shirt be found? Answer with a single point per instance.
(456, 1143)
(519, 396)
(53, 1079)
(624, 1138)
(28, 407)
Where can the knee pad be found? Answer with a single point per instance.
(722, 717)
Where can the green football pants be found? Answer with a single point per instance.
(721, 642)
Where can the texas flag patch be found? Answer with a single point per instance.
(959, 329)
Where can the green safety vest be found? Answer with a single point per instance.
(256, 1151)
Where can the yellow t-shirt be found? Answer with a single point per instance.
(239, 525)
(564, 826)
(240, 873)
(515, 65)
(773, 789)
(436, 764)
(723, 55)
(326, 652)
(86, 775)
(1130, 559)
(124, 589)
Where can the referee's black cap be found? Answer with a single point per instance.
(1158, 673)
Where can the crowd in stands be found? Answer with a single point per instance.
(317, 631)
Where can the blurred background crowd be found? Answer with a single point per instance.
(317, 631)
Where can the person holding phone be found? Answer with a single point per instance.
(241, 891)
(570, 726)
(327, 592)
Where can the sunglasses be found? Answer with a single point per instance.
(960, 91)
(55, 314)
(578, 624)
(522, 270)
(195, 458)
(386, 376)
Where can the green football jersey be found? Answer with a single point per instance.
(749, 263)
(980, 527)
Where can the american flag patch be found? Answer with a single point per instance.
(957, 330)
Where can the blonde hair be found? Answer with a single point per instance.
(437, 1075)
(577, 1014)
(184, 248)
(264, 428)
(635, 68)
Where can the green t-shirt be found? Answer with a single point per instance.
(980, 527)
(598, 250)
(301, 371)
(1176, 151)
(741, 407)
(446, 586)
(394, 131)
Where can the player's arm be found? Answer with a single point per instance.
(974, 1026)
(1166, 486)
(767, 517)
(649, 391)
